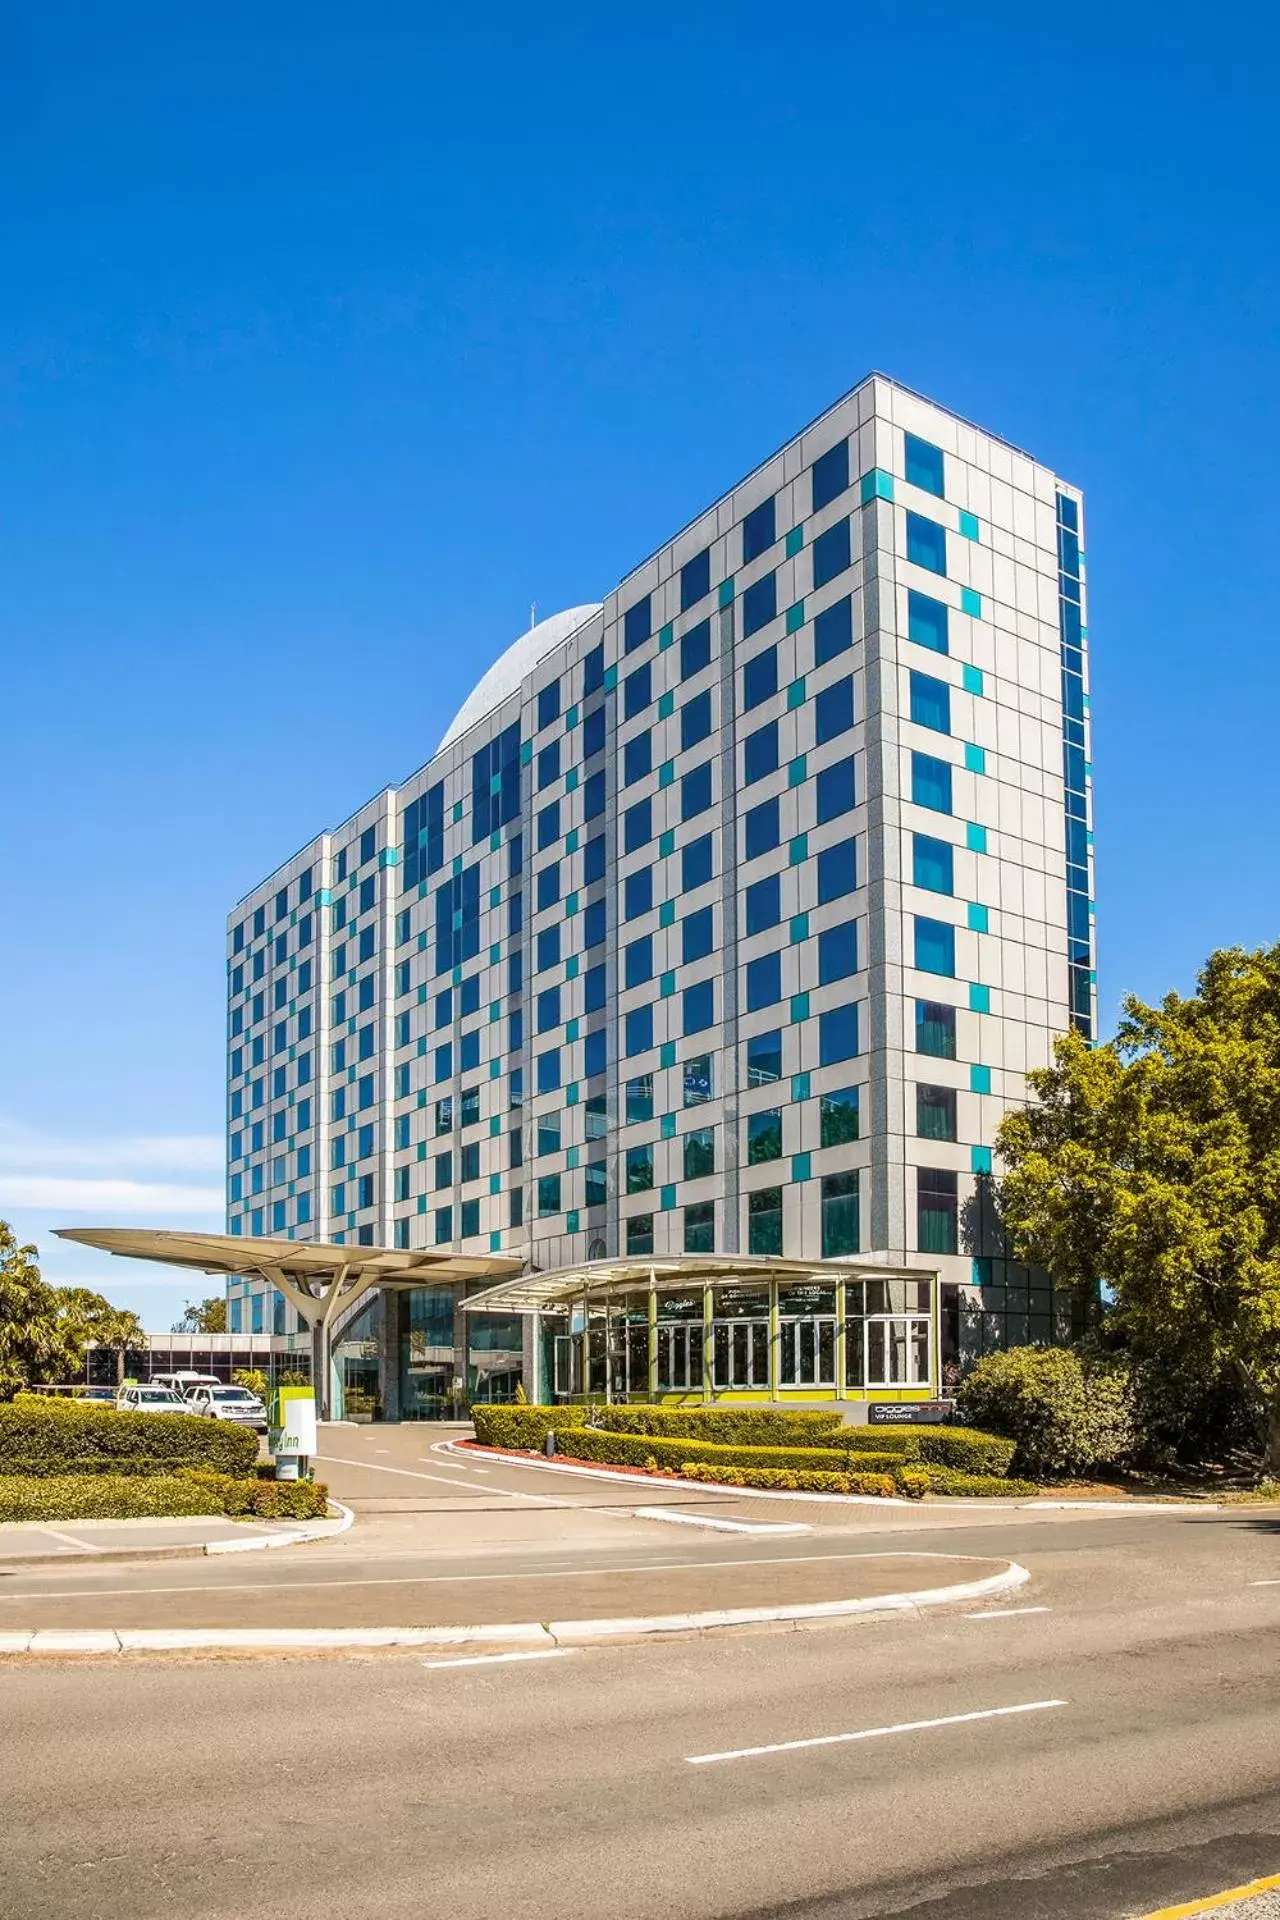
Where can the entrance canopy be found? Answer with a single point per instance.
(596, 1279)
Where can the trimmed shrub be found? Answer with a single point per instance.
(118, 1496)
(787, 1481)
(729, 1426)
(1064, 1417)
(980, 1486)
(74, 1439)
(519, 1426)
(961, 1447)
(639, 1449)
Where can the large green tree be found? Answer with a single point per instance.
(38, 1341)
(204, 1316)
(94, 1319)
(1150, 1166)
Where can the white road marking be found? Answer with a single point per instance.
(1004, 1613)
(1264, 1583)
(872, 1733)
(70, 1540)
(720, 1526)
(412, 1473)
(500, 1659)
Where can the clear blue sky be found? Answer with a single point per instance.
(332, 337)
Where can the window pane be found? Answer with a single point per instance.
(840, 1215)
(935, 947)
(837, 871)
(696, 863)
(832, 631)
(936, 1113)
(761, 829)
(764, 1136)
(930, 702)
(837, 952)
(695, 579)
(931, 783)
(926, 543)
(932, 863)
(927, 621)
(759, 679)
(759, 604)
(764, 981)
(764, 1220)
(935, 1029)
(764, 903)
(831, 553)
(833, 710)
(764, 1059)
(699, 1154)
(697, 933)
(924, 465)
(700, 1227)
(830, 475)
(758, 531)
(840, 1117)
(695, 649)
(760, 753)
(835, 790)
(838, 1034)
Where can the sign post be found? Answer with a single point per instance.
(293, 1439)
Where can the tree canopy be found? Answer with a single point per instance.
(204, 1316)
(1150, 1167)
(44, 1330)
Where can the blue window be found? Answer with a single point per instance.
(594, 989)
(764, 981)
(835, 790)
(837, 952)
(637, 826)
(595, 923)
(760, 829)
(593, 671)
(515, 1030)
(837, 871)
(831, 553)
(927, 622)
(444, 1224)
(549, 765)
(695, 719)
(699, 1006)
(548, 949)
(932, 863)
(593, 733)
(695, 791)
(515, 913)
(832, 631)
(695, 579)
(548, 1009)
(548, 826)
(833, 710)
(637, 757)
(924, 465)
(830, 475)
(469, 1220)
(594, 863)
(549, 1070)
(697, 933)
(548, 1193)
(935, 947)
(695, 649)
(926, 543)
(595, 1053)
(495, 783)
(696, 863)
(549, 704)
(764, 903)
(931, 782)
(549, 885)
(638, 1025)
(593, 796)
(637, 893)
(760, 753)
(759, 679)
(837, 1035)
(237, 1306)
(638, 961)
(637, 691)
(759, 604)
(930, 702)
(637, 625)
(759, 531)
(444, 1062)
(764, 1059)
(255, 1311)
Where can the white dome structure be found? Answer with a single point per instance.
(520, 658)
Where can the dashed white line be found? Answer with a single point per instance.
(872, 1733)
(720, 1526)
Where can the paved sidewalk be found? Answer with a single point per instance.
(25, 1543)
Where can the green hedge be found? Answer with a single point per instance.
(978, 1485)
(963, 1448)
(37, 1441)
(730, 1426)
(519, 1426)
(637, 1449)
(118, 1496)
(784, 1480)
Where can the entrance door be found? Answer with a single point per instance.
(680, 1356)
(807, 1352)
(739, 1354)
(897, 1352)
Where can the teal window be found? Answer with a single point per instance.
(838, 1035)
(975, 837)
(548, 1194)
(830, 475)
(971, 679)
(596, 1184)
(831, 553)
(931, 783)
(980, 1159)
(695, 579)
(979, 1079)
(839, 1117)
(924, 465)
(759, 531)
(936, 1029)
(444, 1224)
(759, 604)
(764, 1136)
(469, 1221)
(935, 947)
(975, 759)
(841, 1225)
(927, 622)
(932, 864)
(832, 631)
(699, 1156)
(979, 918)
(969, 525)
(764, 1220)
(926, 543)
(700, 1227)
(979, 998)
(936, 1113)
(639, 1169)
(937, 1211)
(931, 703)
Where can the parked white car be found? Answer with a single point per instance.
(182, 1383)
(228, 1403)
(149, 1400)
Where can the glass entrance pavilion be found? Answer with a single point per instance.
(738, 1328)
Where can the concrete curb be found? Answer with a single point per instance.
(197, 1550)
(997, 1505)
(551, 1633)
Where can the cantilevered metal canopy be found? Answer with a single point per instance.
(593, 1279)
(320, 1280)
